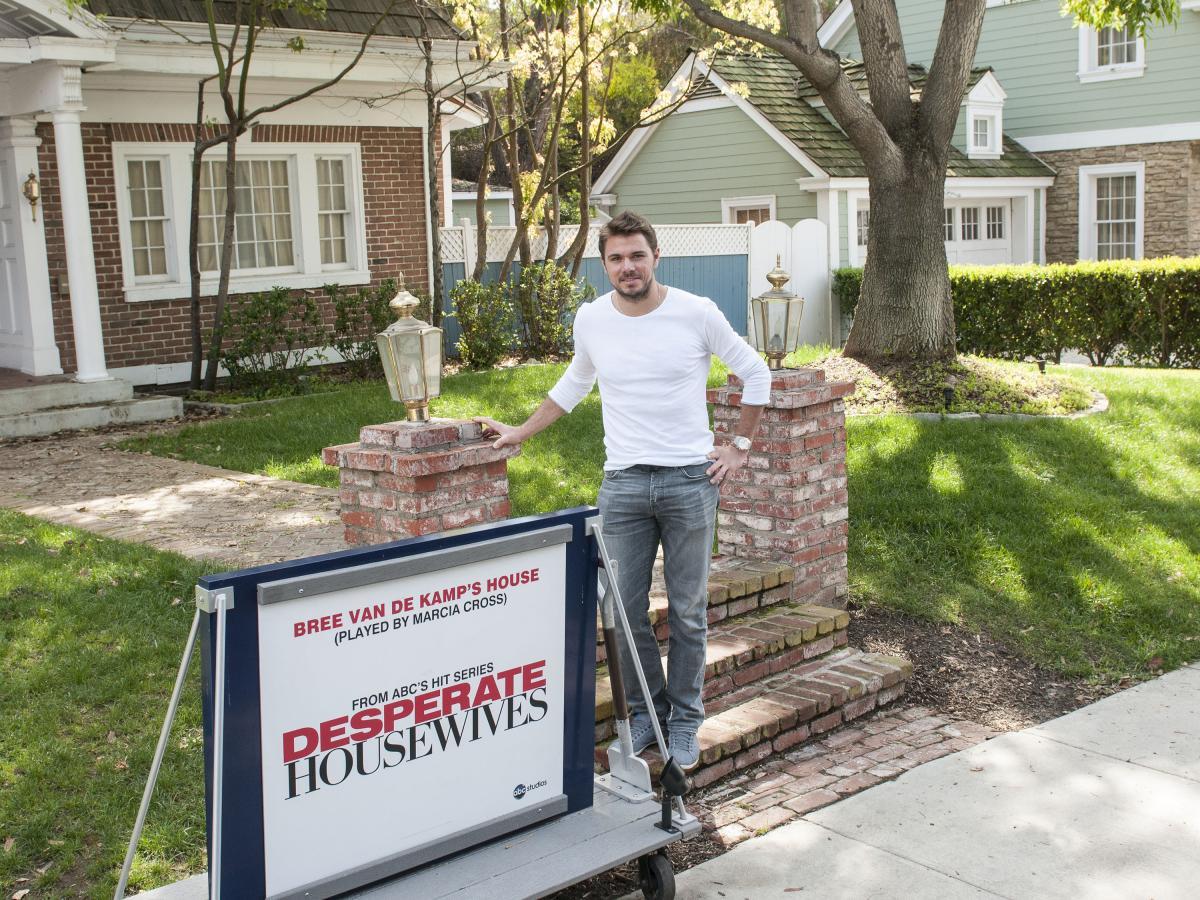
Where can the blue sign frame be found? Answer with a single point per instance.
(242, 857)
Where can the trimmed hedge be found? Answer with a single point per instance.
(1143, 312)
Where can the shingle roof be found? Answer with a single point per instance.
(344, 16)
(778, 91)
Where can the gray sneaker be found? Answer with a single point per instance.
(685, 749)
(641, 732)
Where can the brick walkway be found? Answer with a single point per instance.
(876, 749)
(198, 511)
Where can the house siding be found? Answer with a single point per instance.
(1035, 52)
(1172, 214)
(500, 211)
(680, 176)
(159, 332)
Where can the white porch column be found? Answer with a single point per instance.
(77, 235)
(24, 255)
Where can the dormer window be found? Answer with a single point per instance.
(981, 136)
(984, 118)
(1110, 53)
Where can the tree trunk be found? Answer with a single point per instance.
(218, 331)
(905, 310)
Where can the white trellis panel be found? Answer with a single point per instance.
(703, 240)
(803, 253)
(673, 240)
(452, 245)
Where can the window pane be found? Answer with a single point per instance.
(154, 233)
(283, 228)
(995, 223)
(863, 226)
(141, 262)
(284, 254)
(948, 212)
(158, 261)
(969, 216)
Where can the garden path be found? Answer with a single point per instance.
(195, 510)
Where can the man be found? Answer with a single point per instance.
(650, 347)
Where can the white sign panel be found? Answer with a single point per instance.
(398, 713)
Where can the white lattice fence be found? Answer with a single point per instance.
(673, 241)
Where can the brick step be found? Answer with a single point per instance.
(748, 649)
(735, 586)
(747, 725)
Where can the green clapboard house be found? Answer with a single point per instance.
(1071, 143)
(1116, 116)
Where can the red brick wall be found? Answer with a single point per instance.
(157, 332)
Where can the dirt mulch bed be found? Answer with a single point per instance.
(979, 385)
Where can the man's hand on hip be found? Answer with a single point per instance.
(727, 459)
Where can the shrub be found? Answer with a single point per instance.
(1138, 311)
(272, 337)
(486, 321)
(357, 318)
(547, 298)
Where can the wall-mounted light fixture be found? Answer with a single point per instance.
(33, 192)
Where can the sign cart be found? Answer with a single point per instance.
(415, 719)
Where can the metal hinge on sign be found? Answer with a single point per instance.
(206, 600)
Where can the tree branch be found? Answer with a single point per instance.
(887, 67)
(824, 71)
(942, 96)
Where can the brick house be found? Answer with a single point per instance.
(1116, 116)
(99, 108)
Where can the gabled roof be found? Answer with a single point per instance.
(777, 90)
(343, 16)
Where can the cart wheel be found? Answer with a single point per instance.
(657, 877)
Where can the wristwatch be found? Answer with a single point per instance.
(742, 443)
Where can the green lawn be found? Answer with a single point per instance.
(1074, 540)
(91, 633)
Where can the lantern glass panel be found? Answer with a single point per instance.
(794, 314)
(777, 325)
(410, 363)
(431, 338)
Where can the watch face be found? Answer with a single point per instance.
(742, 443)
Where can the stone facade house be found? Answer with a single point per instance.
(1116, 116)
(98, 107)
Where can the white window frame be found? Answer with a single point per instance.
(730, 206)
(953, 223)
(125, 215)
(989, 224)
(855, 200)
(306, 271)
(1089, 68)
(990, 115)
(1087, 204)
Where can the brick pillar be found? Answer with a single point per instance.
(788, 505)
(411, 478)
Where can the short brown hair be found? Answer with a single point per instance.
(628, 223)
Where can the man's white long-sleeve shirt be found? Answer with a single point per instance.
(653, 370)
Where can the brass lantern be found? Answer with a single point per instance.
(777, 318)
(33, 192)
(411, 351)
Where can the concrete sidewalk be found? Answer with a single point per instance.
(1103, 802)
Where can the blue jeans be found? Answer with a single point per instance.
(641, 506)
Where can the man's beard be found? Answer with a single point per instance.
(640, 295)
